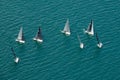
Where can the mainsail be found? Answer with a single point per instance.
(20, 35)
(90, 29)
(38, 35)
(67, 27)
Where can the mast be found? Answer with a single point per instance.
(67, 28)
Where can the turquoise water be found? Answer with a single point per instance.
(59, 57)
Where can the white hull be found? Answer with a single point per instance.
(89, 33)
(66, 33)
(81, 45)
(16, 60)
(38, 40)
(99, 45)
(21, 41)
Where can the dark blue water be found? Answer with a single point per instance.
(59, 57)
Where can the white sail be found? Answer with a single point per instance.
(38, 36)
(66, 29)
(20, 34)
(90, 29)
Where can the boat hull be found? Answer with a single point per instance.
(38, 40)
(66, 33)
(20, 41)
(100, 45)
(81, 45)
(16, 60)
(89, 33)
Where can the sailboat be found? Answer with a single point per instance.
(20, 37)
(16, 59)
(90, 29)
(66, 29)
(38, 36)
(81, 44)
(99, 44)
